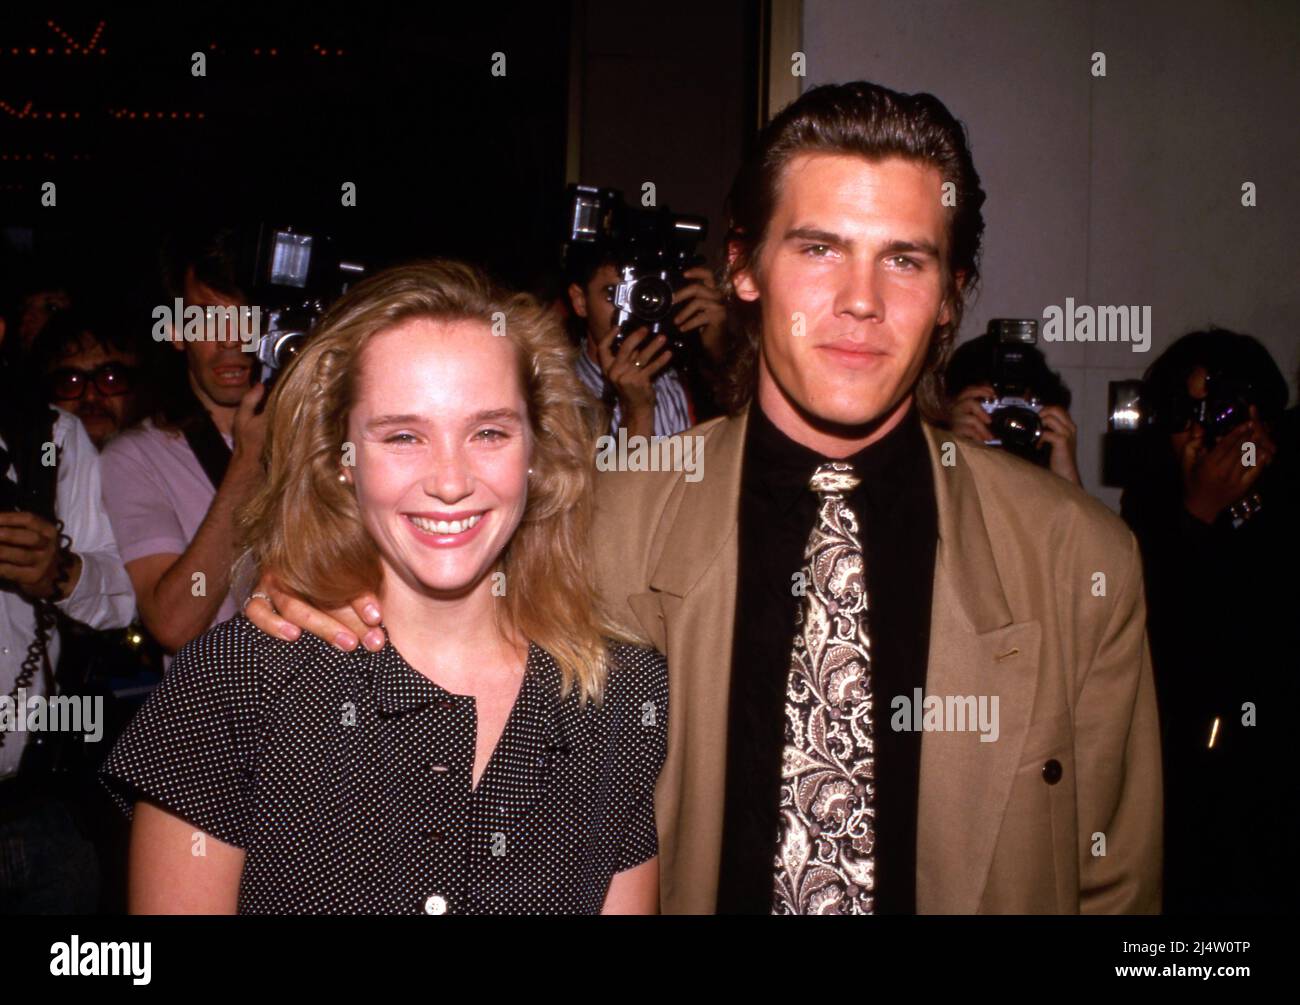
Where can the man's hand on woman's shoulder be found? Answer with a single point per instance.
(287, 615)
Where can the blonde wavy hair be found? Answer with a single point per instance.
(304, 525)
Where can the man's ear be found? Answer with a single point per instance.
(578, 299)
(945, 312)
(742, 279)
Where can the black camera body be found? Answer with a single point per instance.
(1226, 405)
(1014, 411)
(295, 276)
(652, 248)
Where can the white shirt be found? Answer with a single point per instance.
(102, 598)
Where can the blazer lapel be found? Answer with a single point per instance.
(688, 613)
(976, 648)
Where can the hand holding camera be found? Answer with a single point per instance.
(973, 413)
(700, 308)
(631, 369)
(1214, 476)
(249, 431)
(1060, 434)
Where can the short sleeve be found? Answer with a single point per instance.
(644, 680)
(190, 747)
(144, 522)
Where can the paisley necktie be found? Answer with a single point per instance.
(825, 861)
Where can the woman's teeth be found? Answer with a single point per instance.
(446, 526)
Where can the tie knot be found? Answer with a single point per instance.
(835, 476)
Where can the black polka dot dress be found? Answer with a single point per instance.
(346, 777)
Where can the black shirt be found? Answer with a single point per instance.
(895, 505)
(346, 777)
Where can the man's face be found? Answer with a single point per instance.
(851, 285)
(37, 309)
(443, 447)
(220, 371)
(102, 415)
(591, 303)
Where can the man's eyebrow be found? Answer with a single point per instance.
(912, 247)
(814, 234)
(895, 247)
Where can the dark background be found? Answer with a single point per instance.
(300, 98)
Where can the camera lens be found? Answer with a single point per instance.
(1017, 428)
(651, 298)
(288, 347)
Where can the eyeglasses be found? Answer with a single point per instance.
(110, 380)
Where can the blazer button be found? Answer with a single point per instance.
(1052, 771)
(435, 903)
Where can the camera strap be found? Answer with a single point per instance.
(209, 447)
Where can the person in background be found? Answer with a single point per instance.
(58, 560)
(92, 367)
(969, 381)
(1214, 511)
(172, 484)
(638, 384)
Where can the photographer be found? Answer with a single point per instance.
(91, 365)
(57, 555)
(645, 394)
(969, 382)
(171, 485)
(1213, 517)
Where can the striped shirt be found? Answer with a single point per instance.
(673, 411)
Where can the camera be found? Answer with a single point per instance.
(1226, 406)
(1014, 412)
(295, 276)
(652, 248)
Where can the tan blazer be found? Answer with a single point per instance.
(1038, 599)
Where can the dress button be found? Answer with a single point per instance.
(1052, 771)
(435, 903)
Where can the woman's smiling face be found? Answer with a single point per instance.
(443, 444)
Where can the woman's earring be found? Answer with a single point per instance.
(530, 471)
(343, 477)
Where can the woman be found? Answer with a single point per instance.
(432, 445)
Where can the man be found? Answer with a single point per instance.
(56, 554)
(172, 485)
(643, 392)
(797, 779)
(92, 370)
